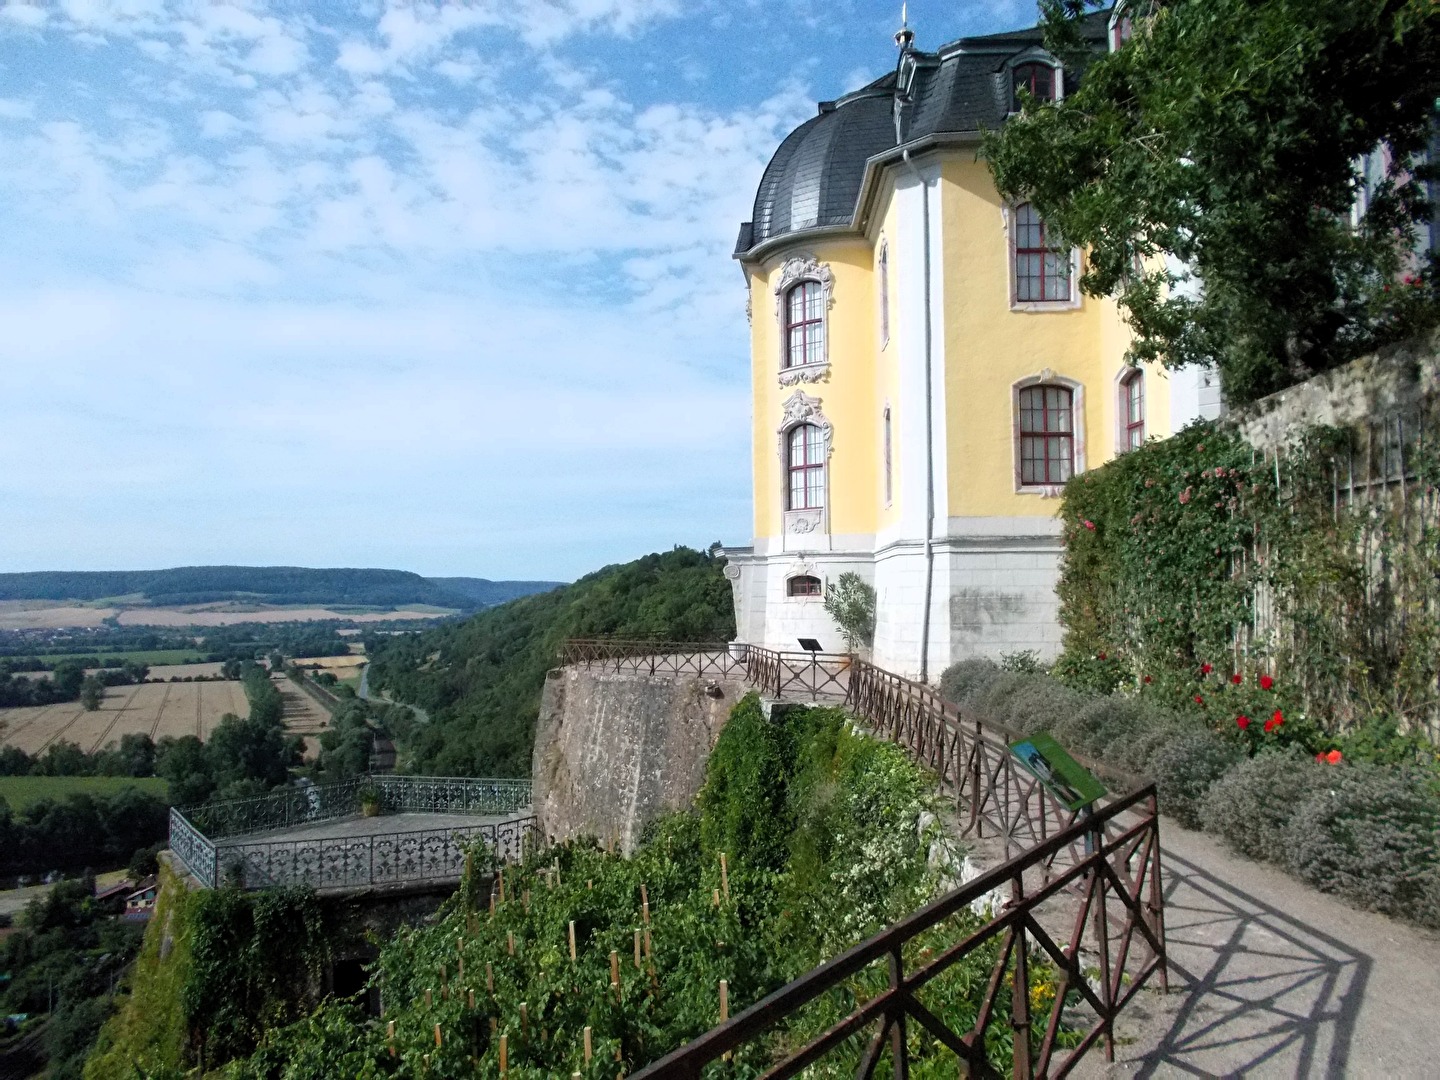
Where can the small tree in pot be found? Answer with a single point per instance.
(851, 603)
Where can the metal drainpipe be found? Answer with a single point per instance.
(929, 427)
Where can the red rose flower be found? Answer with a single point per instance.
(1100, 656)
(1334, 757)
(1242, 722)
(1089, 525)
(1266, 682)
(1269, 726)
(1278, 718)
(1184, 496)
(1320, 758)
(1205, 669)
(1237, 678)
(1147, 679)
(1199, 700)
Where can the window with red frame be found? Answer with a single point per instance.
(1047, 435)
(1038, 79)
(805, 462)
(804, 585)
(1132, 395)
(1042, 263)
(1121, 32)
(804, 324)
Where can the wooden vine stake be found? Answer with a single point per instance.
(717, 898)
(644, 905)
(637, 950)
(724, 876)
(427, 997)
(489, 979)
(572, 941)
(725, 1006)
(437, 1035)
(524, 1020)
(589, 1051)
(502, 884)
(470, 999)
(615, 973)
(390, 1037)
(504, 1054)
(460, 969)
(525, 899)
(510, 941)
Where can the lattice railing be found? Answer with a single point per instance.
(1096, 970)
(813, 676)
(377, 859)
(294, 806)
(192, 847)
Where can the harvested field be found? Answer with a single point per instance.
(303, 714)
(182, 617)
(166, 672)
(328, 663)
(155, 709)
(45, 615)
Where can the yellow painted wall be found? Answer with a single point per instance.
(847, 395)
(988, 347)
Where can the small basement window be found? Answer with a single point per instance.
(804, 585)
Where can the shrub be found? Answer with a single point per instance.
(960, 680)
(1184, 768)
(1123, 732)
(1024, 662)
(1372, 835)
(1027, 703)
(743, 801)
(1252, 806)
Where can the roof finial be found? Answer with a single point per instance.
(904, 37)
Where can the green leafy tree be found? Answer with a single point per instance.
(1224, 138)
(92, 693)
(851, 603)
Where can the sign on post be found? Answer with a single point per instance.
(1064, 777)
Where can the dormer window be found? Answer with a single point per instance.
(1039, 80)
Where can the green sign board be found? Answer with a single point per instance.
(1062, 775)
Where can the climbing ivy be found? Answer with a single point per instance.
(1196, 567)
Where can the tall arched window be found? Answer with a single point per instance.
(1132, 409)
(1042, 262)
(884, 294)
(1047, 435)
(1038, 79)
(805, 324)
(889, 467)
(805, 463)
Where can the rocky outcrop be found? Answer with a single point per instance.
(612, 752)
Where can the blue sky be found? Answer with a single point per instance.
(441, 287)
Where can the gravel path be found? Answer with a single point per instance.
(1270, 978)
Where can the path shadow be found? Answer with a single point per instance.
(1253, 990)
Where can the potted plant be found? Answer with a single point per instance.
(369, 801)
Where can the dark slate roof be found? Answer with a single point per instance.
(814, 179)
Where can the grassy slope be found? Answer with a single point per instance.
(480, 680)
(148, 1031)
(21, 791)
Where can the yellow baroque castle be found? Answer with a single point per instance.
(926, 374)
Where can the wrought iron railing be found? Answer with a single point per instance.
(1097, 970)
(375, 860)
(814, 676)
(192, 847)
(315, 803)
(639, 657)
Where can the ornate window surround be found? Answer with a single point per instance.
(794, 271)
(801, 408)
(1032, 307)
(1077, 423)
(802, 568)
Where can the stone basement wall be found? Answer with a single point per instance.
(613, 752)
(1397, 379)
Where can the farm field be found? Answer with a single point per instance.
(152, 657)
(303, 714)
(21, 791)
(156, 709)
(50, 615)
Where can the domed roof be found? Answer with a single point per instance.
(814, 179)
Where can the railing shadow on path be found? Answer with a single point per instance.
(1259, 992)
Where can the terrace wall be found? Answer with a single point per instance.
(615, 751)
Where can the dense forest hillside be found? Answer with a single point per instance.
(480, 680)
(267, 585)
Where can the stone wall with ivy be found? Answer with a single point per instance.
(1298, 541)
